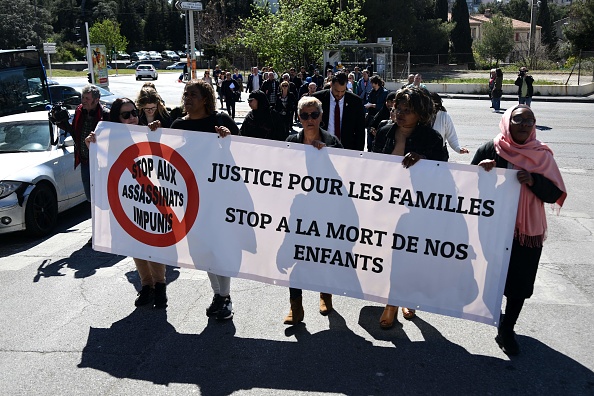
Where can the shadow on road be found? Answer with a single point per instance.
(145, 346)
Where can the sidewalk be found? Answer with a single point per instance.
(513, 98)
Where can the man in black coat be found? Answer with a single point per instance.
(351, 129)
(254, 82)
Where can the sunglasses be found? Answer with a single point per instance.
(305, 116)
(150, 108)
(518, 119)
(126, 114)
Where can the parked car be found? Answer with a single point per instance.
(134, 65)
(123, 55)
(71, 95)
(138, 56)
(37, 176)
(154, 55)
(170, 55)
(176, 66)
(146, 71)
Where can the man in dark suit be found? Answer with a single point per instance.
(349, 124)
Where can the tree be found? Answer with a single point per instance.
(580, 31)
(460, 36)
(441, 10)
(131, 23)
(300, 30)
(22, 24)
(518, 9)
(548, 36)
(108, 32)
(498, 39)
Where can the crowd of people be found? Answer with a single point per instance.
(352, 111)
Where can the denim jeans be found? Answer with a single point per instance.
(85, 175)
(525, 101)
(496, 102)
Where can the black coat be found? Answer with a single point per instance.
(329, 140)
(424, 140)
(249, 87)
(352, 132)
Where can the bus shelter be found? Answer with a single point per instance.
(351, 54)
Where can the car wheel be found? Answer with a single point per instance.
(155, 78)
(137, 78)
(41, 213)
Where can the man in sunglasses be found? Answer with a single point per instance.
(343, 113)
(86, 117)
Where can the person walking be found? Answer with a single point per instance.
(525, 88)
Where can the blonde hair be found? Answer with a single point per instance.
(308, 101)
(149, 95)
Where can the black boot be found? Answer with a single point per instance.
(506, 337)
(146, 296)
(160, 295)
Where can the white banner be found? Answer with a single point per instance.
(436, 237)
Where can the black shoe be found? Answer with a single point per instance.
(215, 305)
(508, 344)
(160, 295)
(226, 311)
(146, 296)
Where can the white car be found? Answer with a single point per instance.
(146, 71)
(154, 55)
(37, 175)
(176, 66)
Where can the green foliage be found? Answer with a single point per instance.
(498, 39)
(297, 34)
(441, 10)
(548, 36)
(108, 32)
(580, 31)
(18, 28)
(518, 9)
(460, 35)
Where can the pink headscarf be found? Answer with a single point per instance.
(534, 157)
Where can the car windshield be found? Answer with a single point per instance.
(24, 136)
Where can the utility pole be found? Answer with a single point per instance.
(531, 45)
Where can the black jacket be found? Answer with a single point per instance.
(329, 140)
(529, 81)
(249, 87)
(424, 140)
(352, 132)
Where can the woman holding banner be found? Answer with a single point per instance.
(412, 137)
(199, 103)
(152, 275)
(516, 147)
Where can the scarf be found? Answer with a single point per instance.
(534, 157)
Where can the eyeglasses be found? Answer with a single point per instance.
(251, 99)
(126, 114)
(150, 108)
(305, 116)
(518, 119)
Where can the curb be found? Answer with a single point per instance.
(558, 99)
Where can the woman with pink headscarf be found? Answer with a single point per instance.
(516, 147)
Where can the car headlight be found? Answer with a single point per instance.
(8, 187)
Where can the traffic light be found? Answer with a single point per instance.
(89, 77)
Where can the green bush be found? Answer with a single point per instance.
(224, 63)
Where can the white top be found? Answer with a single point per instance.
(445, 126)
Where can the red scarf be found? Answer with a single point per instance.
(534, 157)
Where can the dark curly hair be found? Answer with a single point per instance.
(116, 107)
(206, 91)
(419, 101)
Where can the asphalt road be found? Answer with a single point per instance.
(69, 326)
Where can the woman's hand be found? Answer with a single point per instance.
(222, 131)
(464, 150)
(318, 144)
(153, 126)
(411, 158)
(90, 139)
(487, 164)
(524, 177)
(373, 131)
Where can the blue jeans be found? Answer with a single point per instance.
(85, 175)
(525, 101)
(496, 102)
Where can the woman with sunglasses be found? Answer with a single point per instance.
(261, 121)
(152, 275)
(152, 109)
(516, 147)
(411, 137)
(309, 110)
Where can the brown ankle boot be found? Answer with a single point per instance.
(325, 303)
(296, 313)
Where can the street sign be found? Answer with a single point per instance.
(348, 42)
(49, 48)
(189, 5)
(384, 40)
